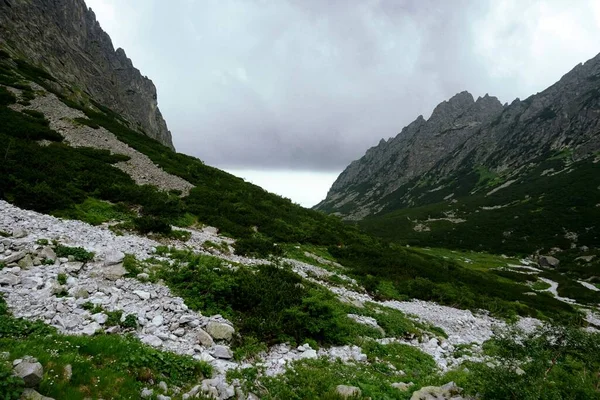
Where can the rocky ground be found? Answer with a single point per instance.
(79, 297)
(62, 119)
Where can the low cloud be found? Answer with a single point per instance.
(310, 84)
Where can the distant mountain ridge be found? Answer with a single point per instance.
(480, 149)
(65, 38)
(481, 132)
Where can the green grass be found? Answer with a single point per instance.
(78, 253)
(535, 214)
(479, 261)
(540, 285)
(96, 212)
(104, 366)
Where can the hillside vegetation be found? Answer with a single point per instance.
(262, 222)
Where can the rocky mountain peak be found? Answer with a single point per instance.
(453, 107)
(65, 38)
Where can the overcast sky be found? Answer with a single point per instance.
(288, 92)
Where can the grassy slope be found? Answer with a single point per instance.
(31, 178)
(537, 212)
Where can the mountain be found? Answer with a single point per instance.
(129, 271)
(66, 39)
(476, 166)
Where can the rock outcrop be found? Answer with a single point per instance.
(65, 38)
(463, 136)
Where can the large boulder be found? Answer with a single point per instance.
(26, 262)
(48, 253)
(548, 262)
(348, 391)
(446, 392)
(113, 257)
(222, 352)
(204, 338)
(114, 272)
(220, 331)
(14, 257)
(9, 279)
(19, 233)
(31, 372)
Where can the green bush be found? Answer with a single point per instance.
(270, 304)
(558, 363)
(148, 224)
(257, 247)
(11, 386)
(6, 97)
(79, 253)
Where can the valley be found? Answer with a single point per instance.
(461, 260)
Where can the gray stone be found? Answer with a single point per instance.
(113, 257)
(204, 338)
(152, 341)
(19, 233)
(30, 394)
(146, 393)
(26, 262)
(73, 267)
(348, 391)
(9, 279)
(143, 276)
(100, 318)
(219, 330)
(14, 257)
(548, 262)
(308, 354)
(32, 282)
(162, 385)
(114, 272)
(222, 352)
(403, 387)
(48, 254)
(32, 373)
(142, 294)
(447, 391)
(158, 320)
(162, 397)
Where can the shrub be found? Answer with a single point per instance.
(6, 97)
(148, 224)
(257, 246)
(11, 386)
(559, 363)
(79, 253)
(270, 304)
(62, 278)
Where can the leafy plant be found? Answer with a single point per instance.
(11, 386)
(80, 254)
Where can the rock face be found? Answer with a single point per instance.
(31, 371)
(463, 136)
(64, 37)
(548, 262)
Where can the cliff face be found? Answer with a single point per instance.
(464, 136)
(64, 37)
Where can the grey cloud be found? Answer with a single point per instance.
(310, 84)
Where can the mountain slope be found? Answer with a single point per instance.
(473, 168)
(66, 39)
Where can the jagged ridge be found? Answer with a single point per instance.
(66, 39)
(464, 133)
